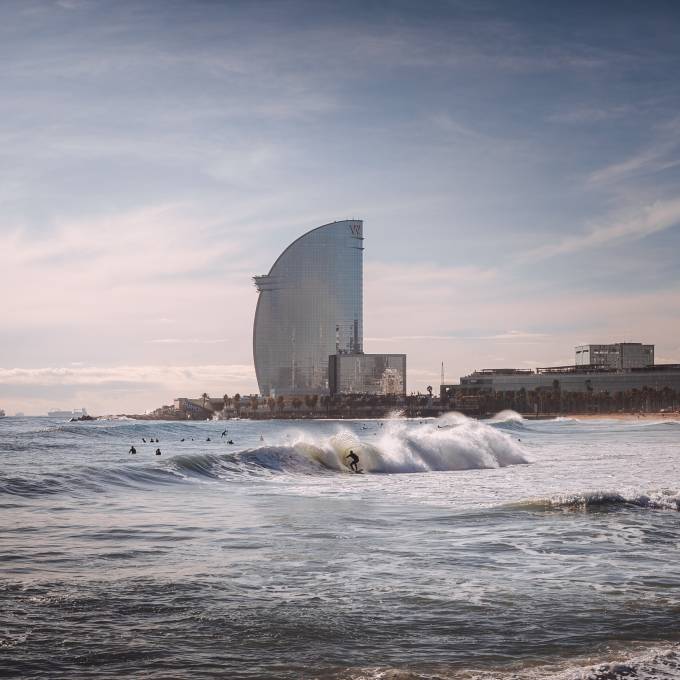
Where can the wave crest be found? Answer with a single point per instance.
(664, 499)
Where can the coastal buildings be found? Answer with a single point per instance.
(620, 355)
(367, 374)
(615, 368)
(310, 310)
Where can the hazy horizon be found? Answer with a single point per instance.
(515, 164)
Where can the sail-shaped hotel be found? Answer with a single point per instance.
(310, 311)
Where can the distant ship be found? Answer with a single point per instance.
(76, 413)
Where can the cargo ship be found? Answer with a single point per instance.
(76, 413)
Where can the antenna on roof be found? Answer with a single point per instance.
(442, 377)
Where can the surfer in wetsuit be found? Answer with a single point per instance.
(158, 452)
(132, 450)
(354, 465)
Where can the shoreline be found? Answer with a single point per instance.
(633, 417)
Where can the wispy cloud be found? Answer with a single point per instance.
(646, 162)
(102, 376)
(650, 219)
(508, 335)
(187, 341)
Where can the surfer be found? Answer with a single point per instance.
(207, 439)
(354, 465)
(158, 452)
(144, 440)
(231, 441)
(132, 450)
(224, 434)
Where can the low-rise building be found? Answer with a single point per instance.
(619, 355)
(382, 374)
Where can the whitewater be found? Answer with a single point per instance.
(498, 549)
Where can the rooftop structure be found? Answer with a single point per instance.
(619, 356)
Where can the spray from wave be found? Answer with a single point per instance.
(452, 442)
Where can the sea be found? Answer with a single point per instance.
(498, 549)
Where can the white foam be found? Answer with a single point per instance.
(452, 442)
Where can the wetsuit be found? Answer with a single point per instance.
(355, 460)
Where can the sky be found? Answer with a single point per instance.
(516, 165)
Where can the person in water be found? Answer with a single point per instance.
(158, 452)
(354, 465)
(207, 439)
(224, 434)
(231, 441)
(144, 440)
(132, 449)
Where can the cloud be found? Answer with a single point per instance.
(102, 376)
(514, 335)
(585, 113)
(646, 162)
(650, 219)
(118, 389)
(187, 341)
(508, 335)
(398, 338)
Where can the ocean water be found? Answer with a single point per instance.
(497, 549)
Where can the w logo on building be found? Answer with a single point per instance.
(355, 228)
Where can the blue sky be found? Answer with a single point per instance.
(517, 166)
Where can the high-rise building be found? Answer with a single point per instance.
(310, 306)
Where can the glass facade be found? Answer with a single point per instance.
(367, 373)
(310, 306)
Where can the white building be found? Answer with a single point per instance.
(620, 355)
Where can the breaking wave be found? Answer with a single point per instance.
(661, 662)
(664, 499)
(451, 442)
